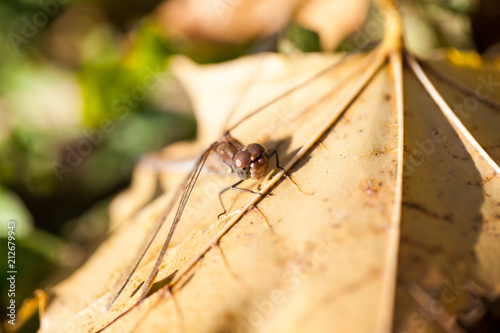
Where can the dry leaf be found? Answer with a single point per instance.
(372, 231)
(242, 20)
(317, 16)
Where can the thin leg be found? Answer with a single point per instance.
(285, 173)
(232, 187)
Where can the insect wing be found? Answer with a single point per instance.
(191, 181)
(185, 188)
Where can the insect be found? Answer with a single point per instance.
(250, 162)
(247, 162)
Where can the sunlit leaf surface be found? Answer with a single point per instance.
(388, 218)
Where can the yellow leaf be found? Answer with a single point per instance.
(242, 20)
(384, 224)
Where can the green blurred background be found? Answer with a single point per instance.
(85, 91)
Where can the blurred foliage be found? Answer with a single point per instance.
(108, 81)
(297, 37)
(87, 84)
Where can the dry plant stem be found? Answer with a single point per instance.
(455, 84)
(392, 44)
(448, 112)
(386, 306)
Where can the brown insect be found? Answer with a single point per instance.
(247, 162)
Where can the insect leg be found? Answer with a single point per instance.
(285, 173)
(232, 187)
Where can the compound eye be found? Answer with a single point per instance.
(242, 159)
(256, 149)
